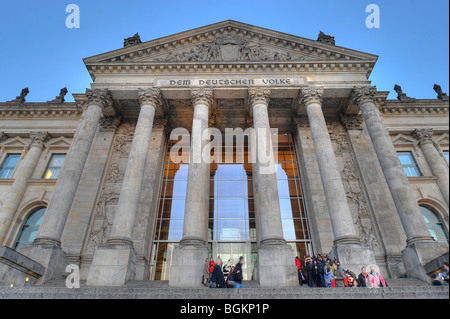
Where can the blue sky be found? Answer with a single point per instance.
(38, 50)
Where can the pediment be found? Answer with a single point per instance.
(230, 42)
(59, 142)
(402, 139)
(15, 142)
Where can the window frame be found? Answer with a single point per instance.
(4, 159)
(47, 167)
(415, 163)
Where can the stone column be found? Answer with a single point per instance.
(421, 246)
(434, 159)
(46, 248)
(189, 256)
(24, 173)
(115, 262)
(275, 263)
(351, 252)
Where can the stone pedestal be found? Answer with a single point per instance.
(51, 256)
(354, 256)
(187, 265)
(276, 266)
(113, 265)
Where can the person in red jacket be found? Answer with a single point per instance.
(299, 269)
(212, 264)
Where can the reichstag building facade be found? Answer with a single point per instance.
(229, 140)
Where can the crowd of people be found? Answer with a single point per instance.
(318, 271)
(214, 276)
(315, 271)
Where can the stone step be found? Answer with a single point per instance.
(128, 292)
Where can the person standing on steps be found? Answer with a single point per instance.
(238, 274)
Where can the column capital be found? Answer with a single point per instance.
(38, 138)
(3, 137)
(309, 94)
(259, 95)
(100, 97)
(150, 96)
(352, 122)
(202, 95)
(301, 121)
(424, 136)
(361, 94)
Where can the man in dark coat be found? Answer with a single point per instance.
(238, 274)
(217, 278)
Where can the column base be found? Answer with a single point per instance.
(112, 266)
(49, 255)
(354, 256)
(187, 265)
(276, 266)
(418, 254)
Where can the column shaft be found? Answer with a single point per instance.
(402, 193)
(52, 225)
(434, 160)
(122, 228)
(20, 184)
(341, 218)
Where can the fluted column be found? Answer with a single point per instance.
(434, 159)
(340, 214)
(274, 266)
(46, 248)
(189, 256)
(114, 263)
(122, 228)
(402, 193)
(264, 177)
(23, 174)
(55, 217)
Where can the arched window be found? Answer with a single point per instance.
(30, 227)
(435, 224)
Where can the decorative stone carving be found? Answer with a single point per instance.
(202, 95)
(60, 98)
(441, 95)
(259, 95)
(109, 194)
(150, 95)
(402, 96)
(39, 138)
(101, 97)
(363, 94)
(352, 122)
(21, 98)
(326, 38)
(310, 95)
(230, 48)
(423, 136)
(301, 121)
(136, 39)
(109, 123)
(3, 137)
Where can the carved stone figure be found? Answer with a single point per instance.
(136, 39)
(21, 98)
(60, 98)
(326, 38)
(402, 96)
(440, 93)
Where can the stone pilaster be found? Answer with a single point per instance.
(274, 262)
(421, 247)
(115, 262)
(189, 256)
(23, 174)
(351, 252)
(46, 248)
(434, 159)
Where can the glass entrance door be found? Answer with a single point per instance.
(230, 254)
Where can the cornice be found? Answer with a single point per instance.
(40, 110)
(422, 106)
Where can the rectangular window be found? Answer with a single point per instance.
(54, 167)
(446, 156)
(409, 164)
(9, 165)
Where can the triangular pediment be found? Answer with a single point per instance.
(15, 142)
(58, 142)
(230, 42)
(402, 139)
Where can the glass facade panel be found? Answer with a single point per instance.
(54, 166)
(8, 166)
(231, 225)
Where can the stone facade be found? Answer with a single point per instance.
(102, 210)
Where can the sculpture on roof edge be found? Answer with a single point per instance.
(326, 38)
(21, 98)
(135, 39)
(402, 97)
(440, 93)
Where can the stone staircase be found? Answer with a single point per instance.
(398, 289)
